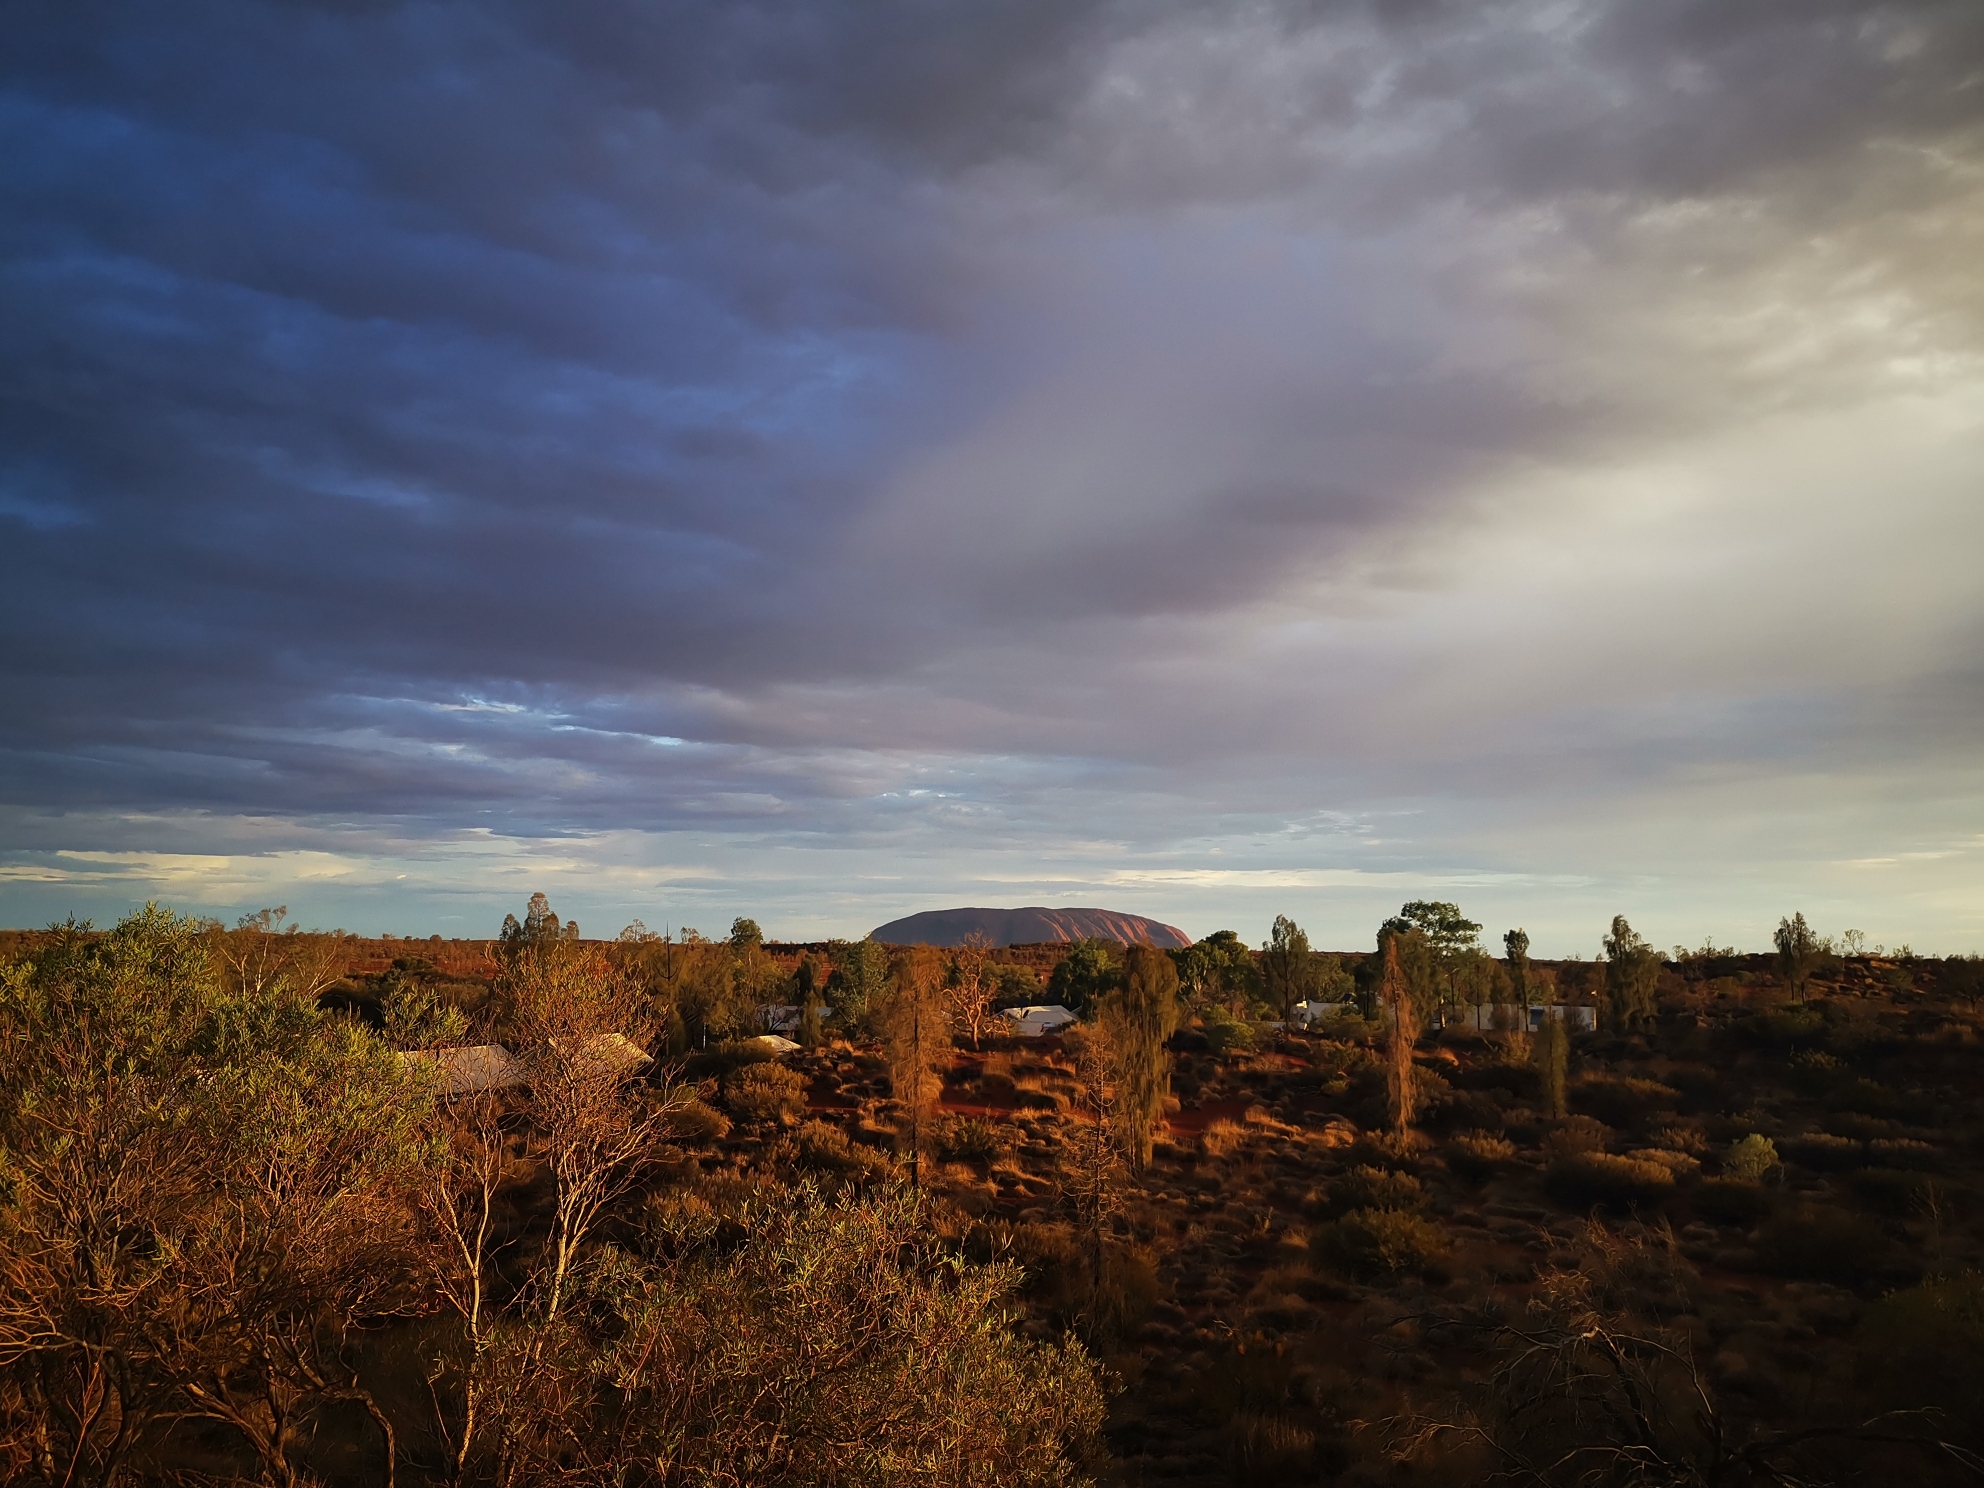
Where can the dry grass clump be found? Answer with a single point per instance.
(1619, 1100)
(971, 1139)
(1680, 1164)
(1478, 1153)
(1575, 1135)
(1373, 1188)
(1381, 1242)
(1605, 1178)
(1221, 1138)
(1730, 1201)
(697, 1123)
(820, 1147)
(766, 1093)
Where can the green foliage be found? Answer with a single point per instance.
(1798, 953)
(1088, 970)
(859, 983)
(745, 934)
(1632, 976)
(1516, 944)
(1750, 1159)
(1439, 952)
(1225, 1032)
(540, 928)
(1288, 967)
(1221, 970)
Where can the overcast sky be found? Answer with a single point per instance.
(823, 461)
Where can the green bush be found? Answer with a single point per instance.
(1227, 1033)
(1603, 1178)
(1814, 1244)
(1380, 1242)
(766, 1092)
(1750, 1159)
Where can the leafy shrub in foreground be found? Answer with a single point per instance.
(1477, 1153)
(970, 1139)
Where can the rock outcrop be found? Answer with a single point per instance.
(1029, 926)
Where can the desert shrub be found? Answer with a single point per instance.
(1750, 1159)
(1603, 1178)
(1815, 1071)
(1221, 1137)
(1815, 1244)
(697, 1122)
(970, 1139)
(1373, 1188)
(1375, 1242)
(1620, 1100)
(1905, 1152)
(1893, 1191)
(1686, 1139)
(1477, 1153)
(1226, 1033)
(766, 1092)
(1577, 1134)
(1823, 1152)
(824, 1148)
(1727, 1201)
(1680, 1164)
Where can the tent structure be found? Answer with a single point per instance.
(772, 1042)
(472, 1069)
(1034, 1021)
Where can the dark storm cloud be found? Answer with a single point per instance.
(632, 417)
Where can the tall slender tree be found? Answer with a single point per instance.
(917, 1038)
(1516, 943)
(1797, 953)
(1395, 996)
(1632, 976)
(1138, 1018)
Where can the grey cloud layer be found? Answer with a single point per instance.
(1106, 420)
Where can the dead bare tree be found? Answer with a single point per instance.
(1395, 996)
(970, 988)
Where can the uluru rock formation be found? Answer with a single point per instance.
(1029, 926)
